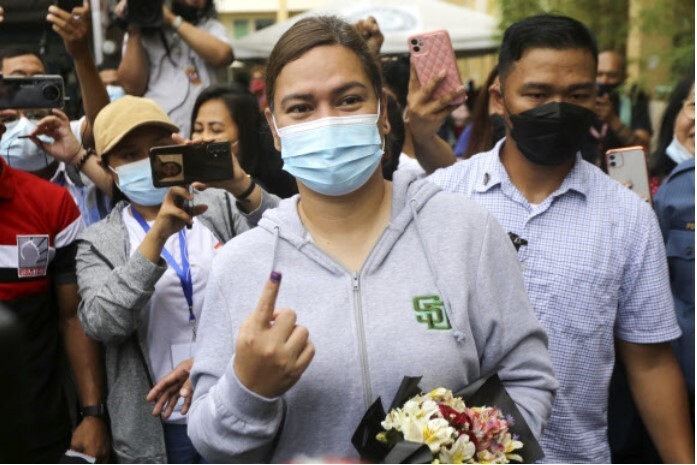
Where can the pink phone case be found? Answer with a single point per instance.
(432, 52)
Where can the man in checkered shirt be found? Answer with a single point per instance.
(591, 251)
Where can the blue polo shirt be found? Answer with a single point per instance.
(594, 267)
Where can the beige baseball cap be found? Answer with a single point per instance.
(124, 115)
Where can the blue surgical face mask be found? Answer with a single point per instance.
(115, 92)
(23, 154)
(135, 181)
(677, 152)
(332, 156)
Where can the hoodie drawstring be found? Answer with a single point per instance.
(432, 268)
(274, 252)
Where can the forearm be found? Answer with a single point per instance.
(94, 171)
(213, 50)
(433, 153)
(83, 353)
(94, 94)
(133, 70)
(659, 392)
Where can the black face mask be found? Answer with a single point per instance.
(189, 13)
(553, 133)
(604, 89)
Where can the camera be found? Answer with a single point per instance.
(35, 92)
(145, 14)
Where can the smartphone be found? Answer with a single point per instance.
(68, 5)
(628, 165)
(180, 165)
(35, 92)
(431, 52)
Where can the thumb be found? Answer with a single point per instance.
(263, 314)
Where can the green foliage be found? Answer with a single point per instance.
(677, 22)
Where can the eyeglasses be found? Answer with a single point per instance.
(689, 108)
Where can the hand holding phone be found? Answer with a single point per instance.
(180, 165)
(432, 54)
(629, 167)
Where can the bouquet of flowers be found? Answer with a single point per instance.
(441, 427)
(453, 432)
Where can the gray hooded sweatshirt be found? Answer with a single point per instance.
(114, 287)
(439, 296)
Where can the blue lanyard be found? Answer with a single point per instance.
(184, 272)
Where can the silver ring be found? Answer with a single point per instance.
(77, 17)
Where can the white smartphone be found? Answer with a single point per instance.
(628, 165)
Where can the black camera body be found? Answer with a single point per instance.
(145, 14)
(35, 92)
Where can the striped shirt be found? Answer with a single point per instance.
(594, 267)
(39, 223)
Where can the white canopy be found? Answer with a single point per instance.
(470, 31)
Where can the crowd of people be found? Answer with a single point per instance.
(256, 318)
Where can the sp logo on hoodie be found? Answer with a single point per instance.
(430, 310)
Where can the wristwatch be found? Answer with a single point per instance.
(98, 411)
(177, 22)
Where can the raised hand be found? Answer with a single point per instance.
(426, 114)
(65, 146)
(271, 352)
(73, 27)
(369, 29)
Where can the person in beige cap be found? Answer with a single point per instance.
(142, 275)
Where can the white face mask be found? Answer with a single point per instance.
(23, 154)
(677, 152)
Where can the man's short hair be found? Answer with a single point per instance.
(543, 31)
(18, 50)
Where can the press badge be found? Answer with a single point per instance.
(32, 256)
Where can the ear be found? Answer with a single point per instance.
(496, 97)
(269, 120)
(384, 121)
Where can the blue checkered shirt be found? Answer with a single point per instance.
(595, 269)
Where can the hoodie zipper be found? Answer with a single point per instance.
(360, 327)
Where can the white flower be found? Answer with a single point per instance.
(434, 433)
(462, 451)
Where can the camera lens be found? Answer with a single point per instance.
(414, 41)
(613, 164)
(51, 92)
(612, 157)
(416, 49)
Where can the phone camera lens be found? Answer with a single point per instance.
(416, 49)
(414, 41)
(613, 164)
(51, 92)
(612, 157)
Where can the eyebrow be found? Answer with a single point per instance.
(338, 91)
(549, 87)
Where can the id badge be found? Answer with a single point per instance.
(180, 352)
(193, 75)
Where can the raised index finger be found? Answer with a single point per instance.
(267, 302)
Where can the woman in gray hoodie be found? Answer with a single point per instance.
(142, 277)
(384, 279)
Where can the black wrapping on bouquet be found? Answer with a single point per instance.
(484, 392)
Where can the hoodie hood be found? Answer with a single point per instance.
(410, 193)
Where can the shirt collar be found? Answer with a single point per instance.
(7, 182)
(494, 173)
